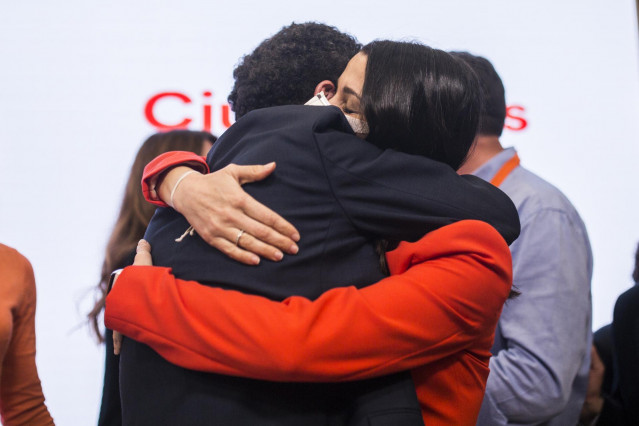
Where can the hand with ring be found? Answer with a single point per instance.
(222, 213)
(239, 235)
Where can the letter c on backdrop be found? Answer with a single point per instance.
(150, 105)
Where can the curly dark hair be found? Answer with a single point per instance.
(286, 68)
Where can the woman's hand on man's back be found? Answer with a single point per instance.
(229, 219)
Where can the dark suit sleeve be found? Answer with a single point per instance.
(110, 410)
(625, 332)
(403, 196)
(111, 406)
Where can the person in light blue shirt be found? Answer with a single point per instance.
(541, 355)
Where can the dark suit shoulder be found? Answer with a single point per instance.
(298, 115)
(258, 134)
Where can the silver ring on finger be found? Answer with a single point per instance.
(239, 235)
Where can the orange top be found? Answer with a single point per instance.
(435, 316)
(21, 399)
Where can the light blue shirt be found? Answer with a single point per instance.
(541, 355)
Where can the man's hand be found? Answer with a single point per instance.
(142, 257)
(219, 210)
(594, 401)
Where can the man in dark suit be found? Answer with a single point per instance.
(157, 392)
(320, 204)
(296, 57)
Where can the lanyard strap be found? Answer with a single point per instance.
(505, 170)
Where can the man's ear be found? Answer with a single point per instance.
(327, 87)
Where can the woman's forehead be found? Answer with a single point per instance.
(354, 73)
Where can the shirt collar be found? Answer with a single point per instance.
(489, 169)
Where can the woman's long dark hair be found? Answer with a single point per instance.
(135, 212)
(420, 100)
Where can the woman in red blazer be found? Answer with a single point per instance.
(438, 147)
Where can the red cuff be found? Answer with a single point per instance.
(164, 162)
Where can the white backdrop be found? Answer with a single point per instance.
(74, 81)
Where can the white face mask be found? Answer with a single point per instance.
(318, 100)
(360, 127)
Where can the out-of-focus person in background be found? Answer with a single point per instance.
(21, 398)
(625, 335)
(541, 355)
(135, 214)
(613, 388)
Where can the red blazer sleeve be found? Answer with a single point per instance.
(162, 163)
(447, 288)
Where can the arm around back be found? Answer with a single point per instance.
(217, 207)
(393, 194)
(447, 288)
